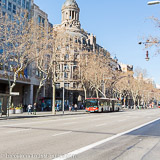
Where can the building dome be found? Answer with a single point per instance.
(70, 3)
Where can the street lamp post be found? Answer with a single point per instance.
(153, 2)
(147, 54)
(63, 99)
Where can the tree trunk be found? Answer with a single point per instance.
(97, 94)
(36, 98)
(138, 102)
(85, 92)
(10, 97)
(144, 105)
(134, 100)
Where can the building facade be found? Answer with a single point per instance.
(28, 79)
(76, 42)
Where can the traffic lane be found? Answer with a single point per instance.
(32, 143)
(152, 129)
(87, 122)
(85, 127)
(126, 147)
(106, 117)
(140, 144)
(119, 115)
(40, 141)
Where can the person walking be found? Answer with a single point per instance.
(29, 108)
(70, 108)
(75, 107)
(34, 108)
(58, 107)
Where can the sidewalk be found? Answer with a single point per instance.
(42, 114)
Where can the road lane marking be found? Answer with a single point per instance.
(86, 148)
(61, 134)
(99, 125)
(19, 130)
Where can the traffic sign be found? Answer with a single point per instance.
(14, 93)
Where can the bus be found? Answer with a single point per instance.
(102, 104)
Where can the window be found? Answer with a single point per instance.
(66, 85)
(4, 3)
(66, 57)
(23, 3)
(27, 5)
(65, 75)
(39, 19)
(67, 47)
(66, 67)
(37, 73)
(9, 6)
(19, 2)
(14, 8)
(57, 85)
(3, 13)
(18, 11)
(58, 48)
(43, 20)
(1, 51)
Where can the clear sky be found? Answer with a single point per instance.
(118, 25)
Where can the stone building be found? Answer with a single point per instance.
(75, 42)
(126, 67)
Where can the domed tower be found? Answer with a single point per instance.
(70, 15)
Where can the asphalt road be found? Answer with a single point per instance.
(129, 135)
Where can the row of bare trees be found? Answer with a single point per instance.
(24, 43)
(98, 76)
(140, 89)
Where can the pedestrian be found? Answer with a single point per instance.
(29, 108)
(70, 108)
(34, 108)
(75, 107)
(57, 107)
(82, 106)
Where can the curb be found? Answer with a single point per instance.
(38, 116)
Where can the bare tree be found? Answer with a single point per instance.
(43, 50)
(16, 44)
(95, 73)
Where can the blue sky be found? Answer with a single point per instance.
(118, 25)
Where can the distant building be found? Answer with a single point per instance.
(126, 67)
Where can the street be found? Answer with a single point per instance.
(127, 135)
